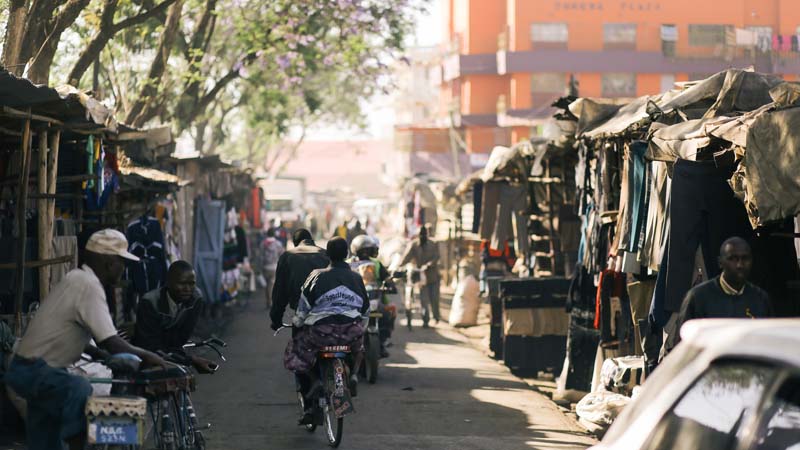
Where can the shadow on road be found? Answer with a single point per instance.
(434, 392)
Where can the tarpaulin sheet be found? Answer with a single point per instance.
(726, 92)
(772, 164)
(65, 103)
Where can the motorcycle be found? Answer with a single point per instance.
(333, 400)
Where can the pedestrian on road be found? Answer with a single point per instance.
(281, 233)
(72, 314)
(424, 253)
(272, 250)
(294, 267)
(729, 295)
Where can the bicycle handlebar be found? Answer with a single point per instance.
(212, 343)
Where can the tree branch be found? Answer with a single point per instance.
(106, 32)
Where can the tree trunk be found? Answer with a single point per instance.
(145, 107)
(200, 137)
(15, 31)
(106, 32)
(39, 21)
(39, 71)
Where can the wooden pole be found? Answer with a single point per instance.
(41, 208)
(22, 201)
(52, 176)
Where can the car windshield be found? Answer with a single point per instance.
(682, 355)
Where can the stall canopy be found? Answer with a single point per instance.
(65, 104)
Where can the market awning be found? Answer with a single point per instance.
(67, 105)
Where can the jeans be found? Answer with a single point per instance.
(703, 212)
(503, 215)
(636, 199)
(56, 402)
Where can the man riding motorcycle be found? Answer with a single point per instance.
(365, 262)
(331, 312)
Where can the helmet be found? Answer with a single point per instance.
(362, 242)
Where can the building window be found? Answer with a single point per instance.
(669, 39)
(706, 35)
(546, 87)
(550, 35)
(548, 83)
(619, 36)
(618, 85)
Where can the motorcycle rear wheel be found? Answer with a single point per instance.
(373, 356)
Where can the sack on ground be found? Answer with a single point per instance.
(601, 407)
(466, 303)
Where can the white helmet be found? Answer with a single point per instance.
(362, 242)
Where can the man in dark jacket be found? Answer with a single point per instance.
(730, 295)
(294, 266)
(331, 312)
(166, 317)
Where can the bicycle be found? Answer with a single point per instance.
(331, 392)
(164, 393)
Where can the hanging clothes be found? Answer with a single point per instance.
(146, 240)
(613, 310)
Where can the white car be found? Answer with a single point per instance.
(729, 385)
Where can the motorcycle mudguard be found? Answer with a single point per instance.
(340, 391)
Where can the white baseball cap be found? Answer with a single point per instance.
(110, 242)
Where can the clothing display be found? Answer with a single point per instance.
(503, 216)
(146, 240)
(704, 213)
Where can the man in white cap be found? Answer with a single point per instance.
(72, 314)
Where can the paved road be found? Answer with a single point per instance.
(435, 392)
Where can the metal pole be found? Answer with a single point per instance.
(22, 200)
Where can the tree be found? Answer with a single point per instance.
(106, 31)
(200, 64)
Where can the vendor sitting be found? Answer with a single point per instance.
(166, 317)
(72, 314)
(729, 295)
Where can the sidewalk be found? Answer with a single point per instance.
(478, 336)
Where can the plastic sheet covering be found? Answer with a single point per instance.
(772, 163)
(505, 162)
(723, 93)
(592, 113)
(681, 141)
(116, 406)
(601, 407)
(627, 116)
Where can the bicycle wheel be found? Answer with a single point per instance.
(301, 402)
(333, 425)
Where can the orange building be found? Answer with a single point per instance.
(507, 60)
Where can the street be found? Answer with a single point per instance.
(434, 392)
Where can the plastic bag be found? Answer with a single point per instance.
(466, 303)
(601, 407)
